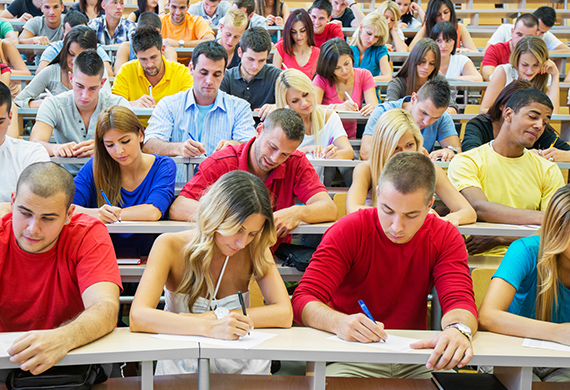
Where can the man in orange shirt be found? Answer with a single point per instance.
(181, 29)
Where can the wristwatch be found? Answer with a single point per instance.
(181, 42)
(460, 326)
(221, 312)
(453, 148)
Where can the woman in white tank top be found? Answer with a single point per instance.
(201, 270)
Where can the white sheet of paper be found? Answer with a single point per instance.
(393, 343)
(543, 344)
(246, 342)
(6, 341)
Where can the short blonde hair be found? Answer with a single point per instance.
(377, 21)
(294, 78)
(235, 17)
(391, 126)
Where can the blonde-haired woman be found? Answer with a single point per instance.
(325, 136)
(139, 186)
(396, 131)
(368, 47)
(529, 60)
(528, 294)
(396, 40)
(202, 270)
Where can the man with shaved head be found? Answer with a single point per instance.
(59, 275)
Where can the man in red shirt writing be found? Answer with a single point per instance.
(58, 271)
(391, 257)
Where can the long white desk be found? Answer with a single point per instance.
(476, 229)
(513, 363)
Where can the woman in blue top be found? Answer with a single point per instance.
(529, 295)
(139, 186)
(368, 46)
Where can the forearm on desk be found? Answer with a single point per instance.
(498, 213)
(163, 148)
(183, 209)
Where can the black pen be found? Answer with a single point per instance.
(241, 302)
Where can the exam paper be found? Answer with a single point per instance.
(6, 341)
(543, 344)
(245, 342)
(393, 343)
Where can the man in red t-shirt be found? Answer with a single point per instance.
(391, 257)
(321, 14)
(499, 53)
(58, 271)
(273, 157)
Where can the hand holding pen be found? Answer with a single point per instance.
(360, 327)
(108, 213)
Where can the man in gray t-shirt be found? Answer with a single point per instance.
(42, 30)
(72, 116)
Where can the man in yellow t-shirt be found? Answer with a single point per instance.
(181, 29)
(149, 78)
(503, 180)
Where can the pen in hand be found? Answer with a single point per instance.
(368, 314)
(107, 200)
(242, 303)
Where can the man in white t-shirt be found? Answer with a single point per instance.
(15, 154)
(546, 18)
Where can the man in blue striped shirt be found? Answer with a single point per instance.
(202, 119)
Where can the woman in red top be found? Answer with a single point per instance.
(297, 48)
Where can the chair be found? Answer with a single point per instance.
(340, 200)
(255, 295)
(481, 278)
(469, 109)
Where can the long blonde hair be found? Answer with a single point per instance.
(377, 21)
(294, 78)
(391, 126)
(222, 209)
(536, 46)
(106, 171)
(554, 239)
(392, 6)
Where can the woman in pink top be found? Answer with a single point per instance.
(297, 50)
(342, 86)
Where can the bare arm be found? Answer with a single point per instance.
(420, 34)
(562, 48)
(122, 56)
(487, 71)
(461, 211)
(319, 208)
(277, 60)
(468, 44)
(37, 351)
(163, 148)
(358, 14)
(397, 42)
(493, 316)
(385, 69)
(365, 146)
(27, 38)
(358, 191)
(183, 209)
(496, 85)
(11, 36)
(498, 213)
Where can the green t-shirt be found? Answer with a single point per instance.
(5, 28)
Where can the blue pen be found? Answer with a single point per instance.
(367, 312)
(105, 197)
(107, 200)
(194, 139)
